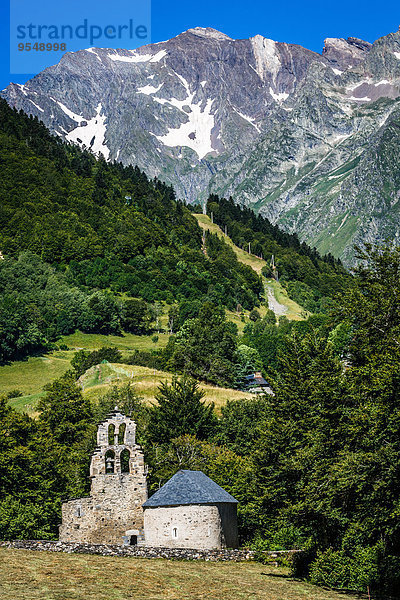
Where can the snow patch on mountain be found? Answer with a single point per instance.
(195, 133)
(138, 58)
(93, 51)
(247, 118)
(280, 97)
(355, 86)
(364, 99)
(157, 57)
(34, 104)
(22, 88)
(69, 113)
(91, 134)
(149, 89)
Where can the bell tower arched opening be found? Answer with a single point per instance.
(124, 460)
(111, 434)
(110, 461)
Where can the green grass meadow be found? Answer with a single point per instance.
(27, 575)
(29, 376)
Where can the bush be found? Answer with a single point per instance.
(27, 521)
(285, 537)
(337, 569)
(254, 315)
(260, 547)
(83, 360)
(141, 358)
(14, 394)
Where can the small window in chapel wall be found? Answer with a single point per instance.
(174, 533)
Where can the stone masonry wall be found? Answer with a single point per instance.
(185, 526)
(141, 552)
(135, 551)
(114, 506)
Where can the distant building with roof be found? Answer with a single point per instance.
(191, 511)
(256, 383)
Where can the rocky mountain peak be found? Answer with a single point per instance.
(266, 56)
(281, 128)
(208, 32)
(345, 53)
(361, 44)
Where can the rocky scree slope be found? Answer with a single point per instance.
(309, 140)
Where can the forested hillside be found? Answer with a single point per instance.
(95, 246)
(77, 233)
(314, 467)
(80, 235)
(310, 279)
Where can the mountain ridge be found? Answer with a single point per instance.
(283, 129)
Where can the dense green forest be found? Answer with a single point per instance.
(78, 234)
(311, 280)
(314, 467)
(81, 235)
(95, 246)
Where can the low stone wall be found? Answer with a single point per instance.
(143, 551)
(136, 551)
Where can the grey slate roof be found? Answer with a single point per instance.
(189, 487)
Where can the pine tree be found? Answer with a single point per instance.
(180, 410)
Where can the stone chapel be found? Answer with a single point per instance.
(189, 511)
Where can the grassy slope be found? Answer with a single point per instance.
(294, 311)
(248, 259)
(126, 342)
(51, 576)
(146, 381)
(29, 376)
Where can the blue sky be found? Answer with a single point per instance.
(306, 23)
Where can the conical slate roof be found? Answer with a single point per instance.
(189, 487)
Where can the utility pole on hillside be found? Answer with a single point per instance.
(273, 268)
(204, 248)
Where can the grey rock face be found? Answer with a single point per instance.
(307, 139)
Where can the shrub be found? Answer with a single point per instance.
(14, 394)
(337, 569)
(141, 358)
(83, 360)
